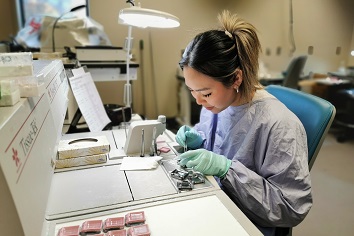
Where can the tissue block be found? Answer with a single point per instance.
(139, 230)
(91, 226)
(134, 218)
(113, 223)
(83, 147)
(69, 231)
(121, 232)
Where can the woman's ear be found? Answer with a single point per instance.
(238, 79)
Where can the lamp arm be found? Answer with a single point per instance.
(131, 2)
(54, 25)
(56, 21)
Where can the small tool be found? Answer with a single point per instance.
(185, 145)
(153, 147)
(142, 151)
(185, 142)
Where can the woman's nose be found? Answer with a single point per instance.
(198, 98)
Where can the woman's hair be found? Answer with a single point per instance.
(218, 53)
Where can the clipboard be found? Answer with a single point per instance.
(89, 102)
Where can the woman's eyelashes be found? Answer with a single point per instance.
(206, 95)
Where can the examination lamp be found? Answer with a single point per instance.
(56, 21)
(143, 18)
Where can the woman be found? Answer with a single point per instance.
(254, 146)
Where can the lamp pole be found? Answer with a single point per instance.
(127, 86)
(56, 21)
(141, 17)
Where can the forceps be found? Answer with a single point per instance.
(185, 142)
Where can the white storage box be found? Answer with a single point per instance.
(16, 64)
(83, 147)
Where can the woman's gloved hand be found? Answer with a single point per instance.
(206, 162)
(193, 138)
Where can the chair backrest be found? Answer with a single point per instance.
(316, 114)
(293, 72)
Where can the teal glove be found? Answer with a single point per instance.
(194, 139)
(206, 162)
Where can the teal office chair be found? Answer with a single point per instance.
(292, 75)
(316, 114)
(294, 71)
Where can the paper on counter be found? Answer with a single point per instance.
(140, 163)
(116, 154)
(89, 101)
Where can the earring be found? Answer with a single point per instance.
(236, 88)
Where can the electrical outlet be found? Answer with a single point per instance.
(268, 52)
(338, 50)
(310, 50)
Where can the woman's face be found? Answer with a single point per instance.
(209, 93)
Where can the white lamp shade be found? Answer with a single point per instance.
(142, 17)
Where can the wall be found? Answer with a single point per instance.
(157, 73)
(322, 24)
(8, 19)
(326, 26)
(351, 58)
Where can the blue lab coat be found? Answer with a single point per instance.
(269, 177)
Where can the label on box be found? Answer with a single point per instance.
(81, 161)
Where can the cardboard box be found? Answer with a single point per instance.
(81, 147)
(81, 161)
(71, 31)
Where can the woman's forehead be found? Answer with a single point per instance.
(197, 81)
